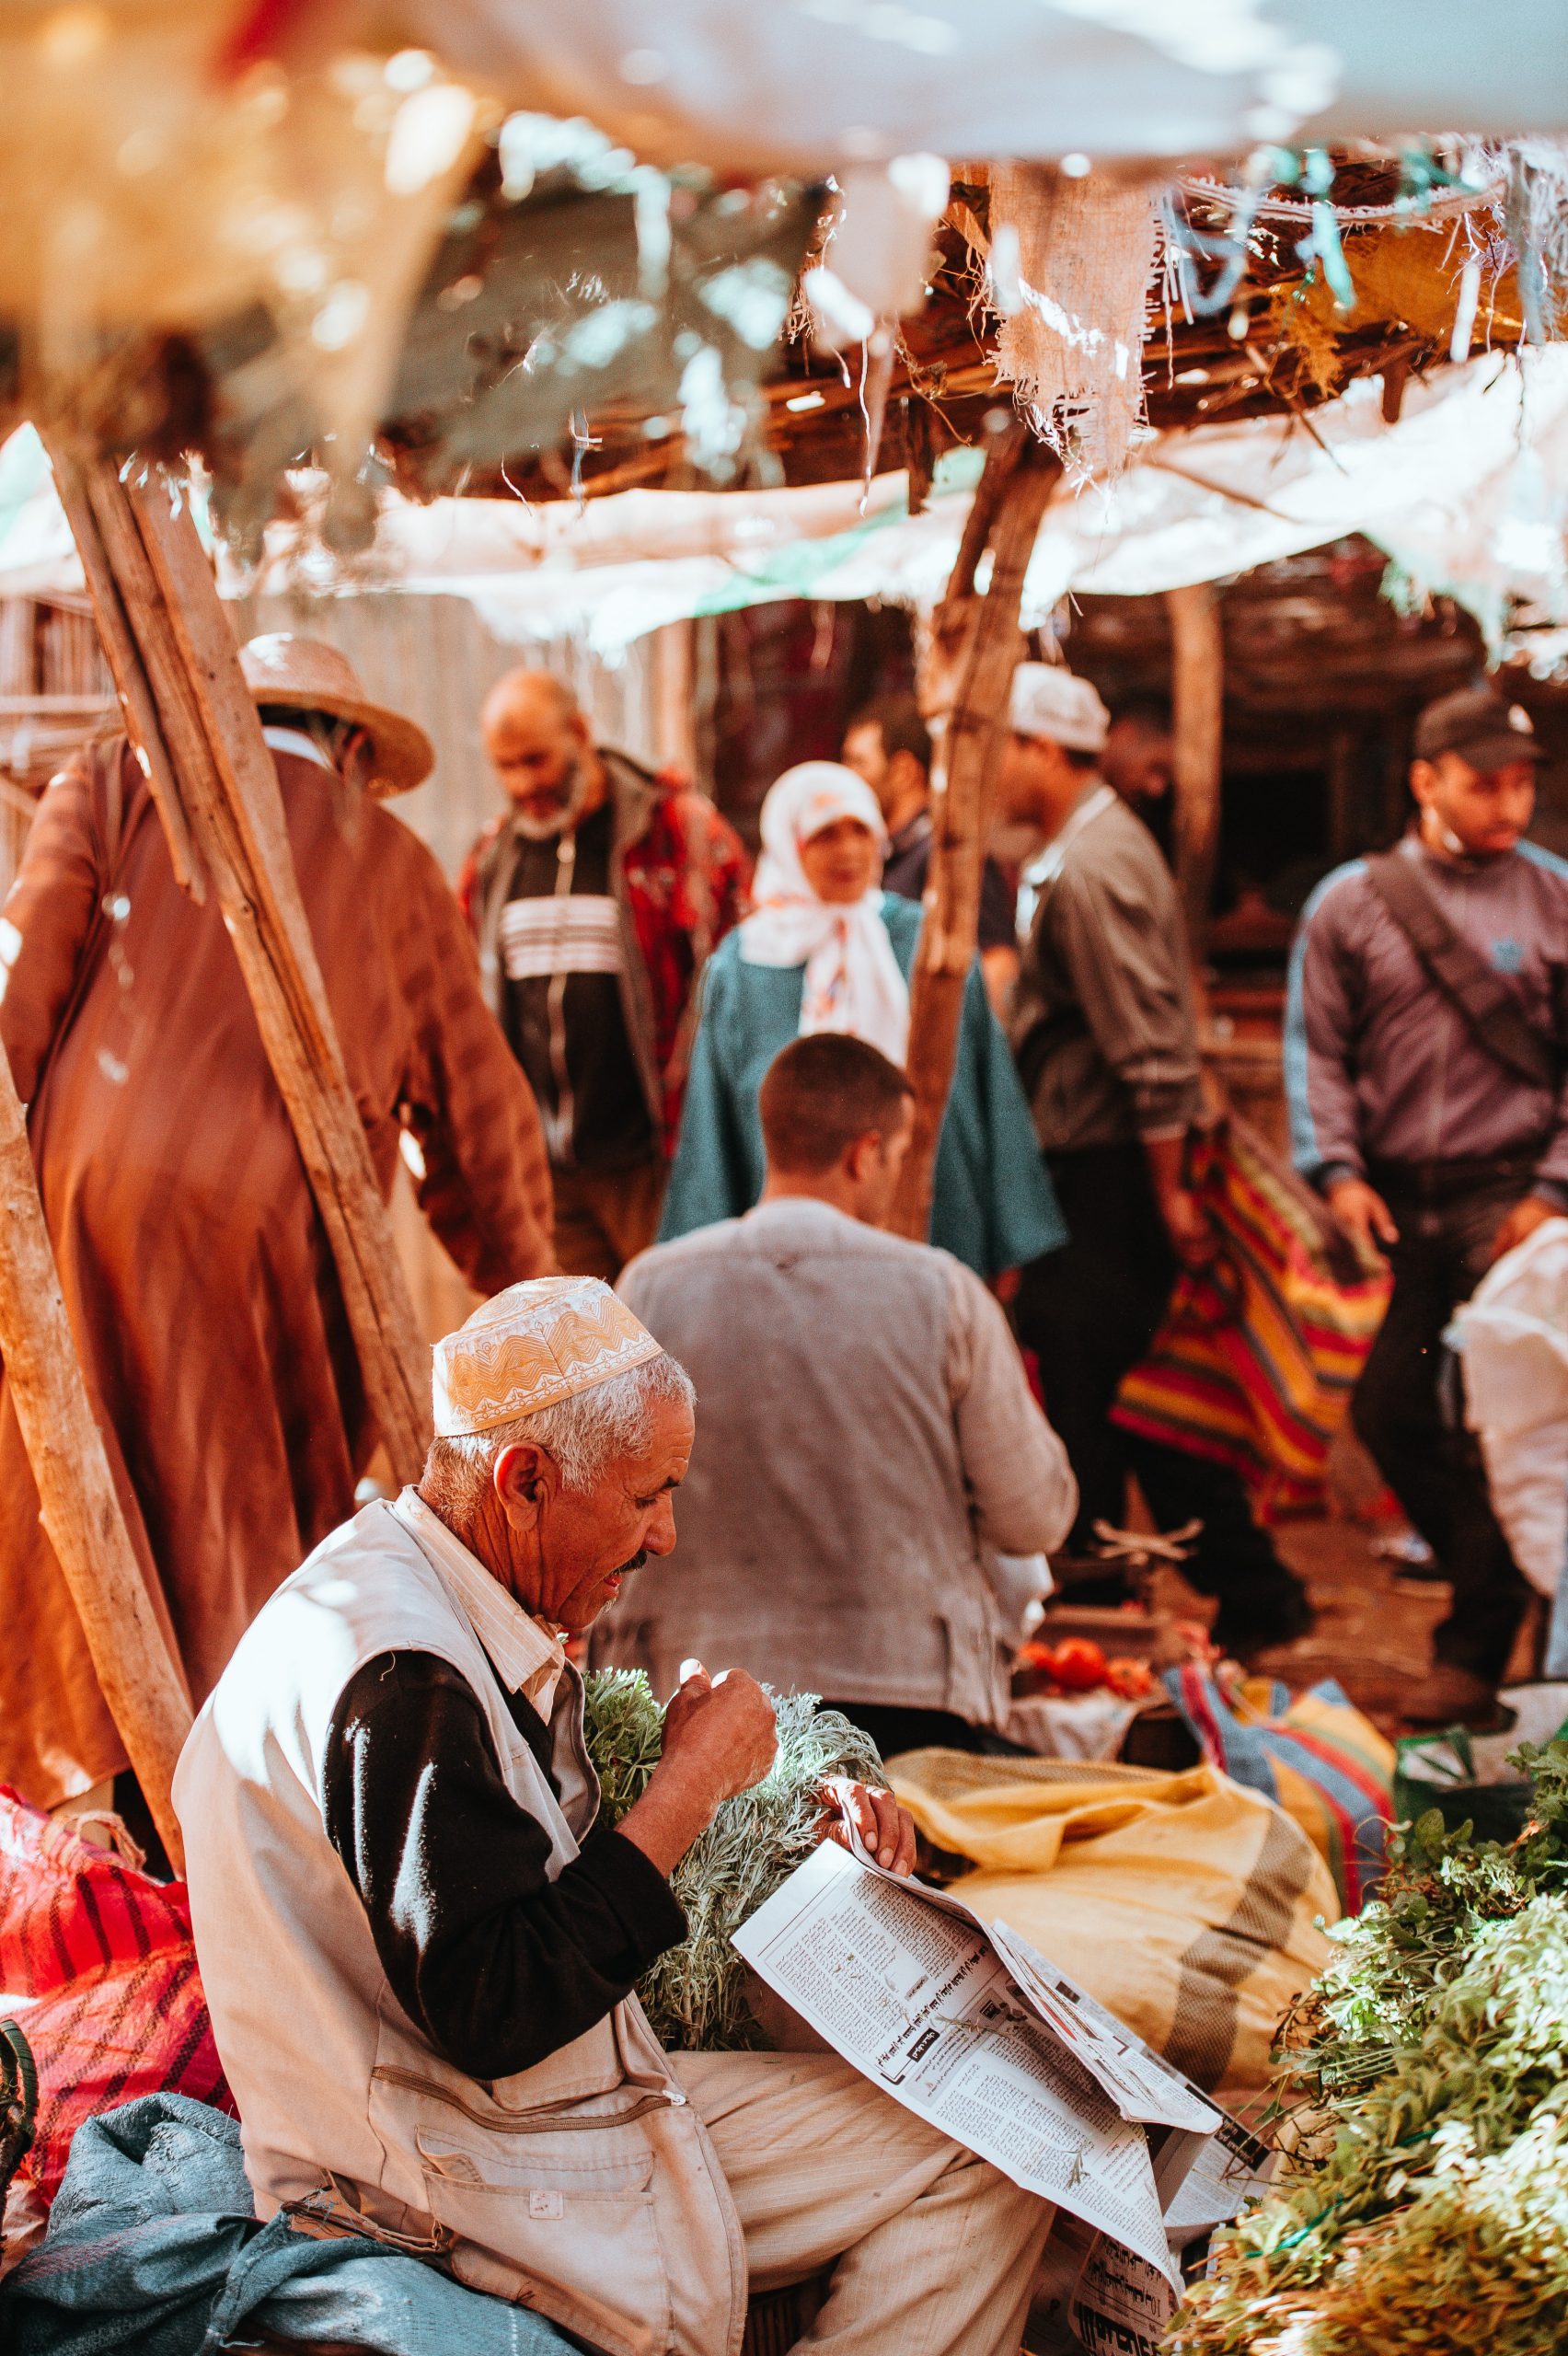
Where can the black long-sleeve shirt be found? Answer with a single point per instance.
(498, 1965)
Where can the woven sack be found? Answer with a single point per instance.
(97, 1961)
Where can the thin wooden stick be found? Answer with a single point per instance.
(1197, 719)
(119, 639)
(975, 643)
(193, 723)
(238, 808)
(79, 1507)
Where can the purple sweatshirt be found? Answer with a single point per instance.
(1380, 1066)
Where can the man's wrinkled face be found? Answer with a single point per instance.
(537, 752)
(588, 1541)
(1484, 811)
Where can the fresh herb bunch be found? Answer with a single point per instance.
(1424, 2086)
(695, 1994)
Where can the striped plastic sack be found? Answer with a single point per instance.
(97, 1963)
(1324, 1762)
(1187, 1905)
(1258, 1355)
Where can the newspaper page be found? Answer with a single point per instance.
(1138, 2082)
(914, 1994)
(1119, 2302)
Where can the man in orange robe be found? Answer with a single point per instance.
(202, 1289)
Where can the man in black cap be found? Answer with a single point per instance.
(1424, 1063)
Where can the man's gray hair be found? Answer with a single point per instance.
(583, 1434)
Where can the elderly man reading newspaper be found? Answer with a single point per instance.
(418, 1945)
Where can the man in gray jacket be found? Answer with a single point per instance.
(1106, 1041)
(869, 1441)
(1428, 1103)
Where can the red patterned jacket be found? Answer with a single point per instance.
(681, 875)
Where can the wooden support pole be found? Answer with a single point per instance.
(1197, 723)
(80, 1509)
(975, 646)
(193, 723)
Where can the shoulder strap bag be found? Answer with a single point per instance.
(1489, 1008)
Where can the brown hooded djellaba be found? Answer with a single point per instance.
(199, 1282)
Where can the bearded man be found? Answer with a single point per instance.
(417, 1940)
(202, 1295)
(596, 902)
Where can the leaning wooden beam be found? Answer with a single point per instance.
(1197, 719)
(974, 647)
(193, 723)
(79, 1509)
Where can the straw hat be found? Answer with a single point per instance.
(308, 676)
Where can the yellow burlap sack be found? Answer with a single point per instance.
(1185, 1903)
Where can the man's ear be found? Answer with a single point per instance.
(524, 1478)
(859, 1156)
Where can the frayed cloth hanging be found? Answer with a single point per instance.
(1076, 315)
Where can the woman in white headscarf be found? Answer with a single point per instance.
(827, 950)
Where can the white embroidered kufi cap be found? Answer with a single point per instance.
(1050, 701)
(531, 1346)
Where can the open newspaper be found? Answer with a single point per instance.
(972, 2028)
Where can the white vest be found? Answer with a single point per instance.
(586, 2186)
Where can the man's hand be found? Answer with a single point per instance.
(887, 1831)
(1363, 1215)
(719, 1729)
(1191, 1229)
(721, 1737)
(1522, 1220)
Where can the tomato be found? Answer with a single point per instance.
(1077, 1665)
(1131, 1678)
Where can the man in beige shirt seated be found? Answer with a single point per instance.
(419, 1938)
(869, 1444)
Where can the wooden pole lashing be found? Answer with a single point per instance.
(79, 1507)
(975, 648)
(1198, 723)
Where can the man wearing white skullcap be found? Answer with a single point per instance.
(419, 1942)
(1106, 1041)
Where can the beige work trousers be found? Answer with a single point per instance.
(937, 2250)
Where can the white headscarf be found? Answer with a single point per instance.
(853, 981)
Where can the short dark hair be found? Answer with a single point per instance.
(903, 730)
(821, 1093)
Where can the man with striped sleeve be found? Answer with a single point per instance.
(596, 901)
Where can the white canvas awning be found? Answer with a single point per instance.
(1468, 492)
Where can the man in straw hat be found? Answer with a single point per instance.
(418, 1942)
(202, 1292)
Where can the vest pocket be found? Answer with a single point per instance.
(545, 2212)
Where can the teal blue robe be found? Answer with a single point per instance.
(993, 1206)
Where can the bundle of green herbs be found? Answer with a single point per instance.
(1423, 2089)
(695, 1995)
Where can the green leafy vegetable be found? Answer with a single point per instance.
(1424, 2093)
(695, 1995)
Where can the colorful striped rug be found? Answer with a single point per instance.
(1317, 1757)
(1258, 1356)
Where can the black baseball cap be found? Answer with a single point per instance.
(1478, 723)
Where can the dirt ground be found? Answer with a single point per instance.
(1374, 1631)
